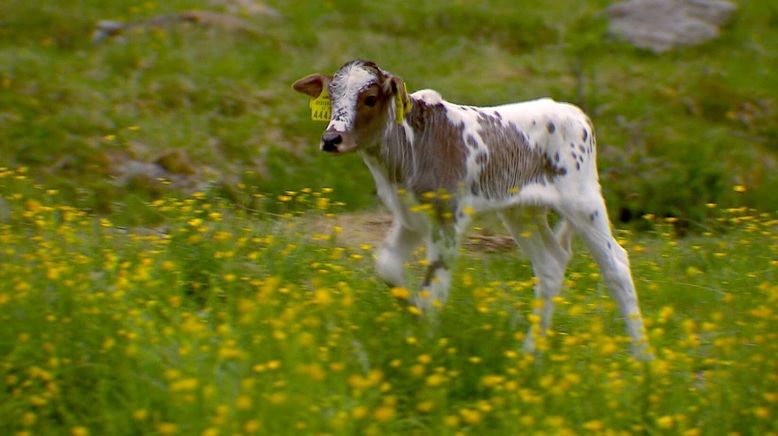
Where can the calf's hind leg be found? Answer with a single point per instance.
(549, 253)
(590, 220)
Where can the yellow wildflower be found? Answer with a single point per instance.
(384, 413)
(665, 422)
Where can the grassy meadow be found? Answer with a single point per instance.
(231, 290)
(226, 321)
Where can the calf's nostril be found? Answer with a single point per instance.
(330, 140)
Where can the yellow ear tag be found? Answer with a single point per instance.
(402, 105)
(321, 106)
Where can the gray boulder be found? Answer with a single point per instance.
(660, 25)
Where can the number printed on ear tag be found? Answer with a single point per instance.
(321, 106)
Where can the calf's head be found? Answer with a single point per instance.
(361, 94)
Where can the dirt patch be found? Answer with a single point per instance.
(357, 229)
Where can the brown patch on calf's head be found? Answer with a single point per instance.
(372, 106)
(512, 163)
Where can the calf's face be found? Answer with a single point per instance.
(360, 95)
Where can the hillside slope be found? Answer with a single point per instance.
(207, 103)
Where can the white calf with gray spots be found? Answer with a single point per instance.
(443, 162)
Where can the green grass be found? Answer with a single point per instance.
(236, 303)
(228, 321)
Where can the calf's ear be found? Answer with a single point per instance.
(312, 85)
(396, 87)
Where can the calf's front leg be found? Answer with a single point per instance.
(442, 247)
(395, 251)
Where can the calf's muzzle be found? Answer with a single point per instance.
(335, 141)
(330, 140)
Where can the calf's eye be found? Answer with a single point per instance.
(370, 100)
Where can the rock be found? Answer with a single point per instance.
(142, 176)
(660, 25)
(108, 28)
(171, 171)
(247, 7)
(177, 162)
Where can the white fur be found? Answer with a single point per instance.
(429, 96)
(347, 91)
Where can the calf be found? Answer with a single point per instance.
(435, 163)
